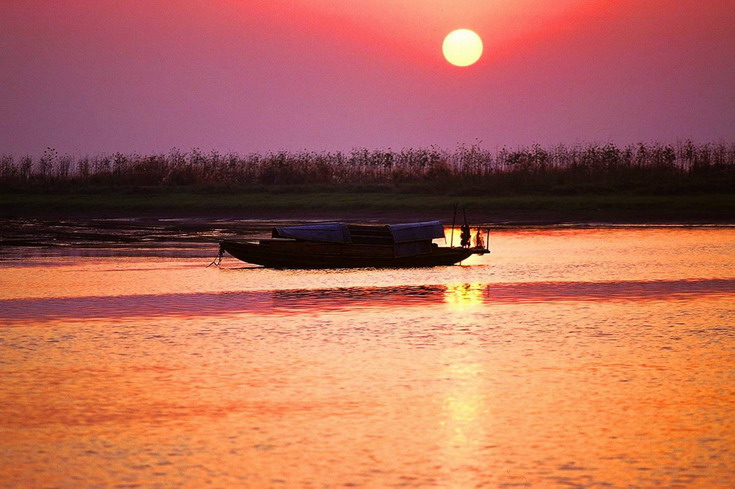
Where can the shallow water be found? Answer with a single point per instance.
(566, 358)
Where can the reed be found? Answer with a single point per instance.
(684, 167)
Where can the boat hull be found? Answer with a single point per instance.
(339, 255)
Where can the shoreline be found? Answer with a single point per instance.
(489, 217)
(158, 229)
(506, 210)
(192, 232)
(519, 218)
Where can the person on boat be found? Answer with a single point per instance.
(479, 242)
(465, 235)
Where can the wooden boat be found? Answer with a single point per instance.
(339, 245)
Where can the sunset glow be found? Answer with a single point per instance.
(277, 75)
(367, 243)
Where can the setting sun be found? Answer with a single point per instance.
(462, 47)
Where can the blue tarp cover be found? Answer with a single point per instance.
(329, 232)
(340, 233)
(418, 231)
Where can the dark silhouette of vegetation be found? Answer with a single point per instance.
(651, 168)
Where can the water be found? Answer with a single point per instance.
(590, 358)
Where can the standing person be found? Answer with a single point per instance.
(466, 234)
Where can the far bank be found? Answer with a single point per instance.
(530, 209)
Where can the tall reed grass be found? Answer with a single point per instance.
(645, 167)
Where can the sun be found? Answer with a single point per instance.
(462, 47)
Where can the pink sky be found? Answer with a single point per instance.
(92, 76)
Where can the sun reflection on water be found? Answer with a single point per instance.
(464, 409)
(463, 296)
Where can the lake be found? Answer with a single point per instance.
(568, 357)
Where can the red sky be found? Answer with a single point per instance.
(92, 76)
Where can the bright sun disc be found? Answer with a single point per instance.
(462, 47)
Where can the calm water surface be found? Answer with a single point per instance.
(590, 358)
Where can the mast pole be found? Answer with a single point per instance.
(454, 219)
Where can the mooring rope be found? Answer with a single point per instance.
(218, 259)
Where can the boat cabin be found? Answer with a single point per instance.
(402, 239)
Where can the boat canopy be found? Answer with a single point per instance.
(328, 232)
(418, 231)
(365, 234)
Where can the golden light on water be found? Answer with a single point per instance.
(567, 357)
(463, 296)
(462, 47)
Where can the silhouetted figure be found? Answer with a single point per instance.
(465, 235)
(479, 242)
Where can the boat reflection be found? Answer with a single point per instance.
(285, 302)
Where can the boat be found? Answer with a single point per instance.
(341, 245)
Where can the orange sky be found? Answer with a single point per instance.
(88, 76)
(413, 30)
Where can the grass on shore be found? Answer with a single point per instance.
(643, 181)
(651, 168)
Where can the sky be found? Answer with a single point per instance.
(144, 76)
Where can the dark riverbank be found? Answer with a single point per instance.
(533, 209)
(651, 183)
